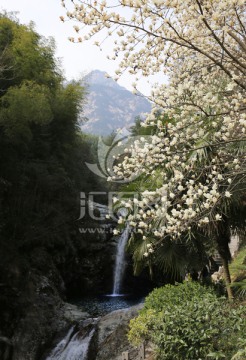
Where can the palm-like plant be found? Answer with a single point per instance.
(238, 273)
(188, 252)
(232, 208)
(216, 232)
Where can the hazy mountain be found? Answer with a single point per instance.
(109, 105)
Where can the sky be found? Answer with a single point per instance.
(77, 59)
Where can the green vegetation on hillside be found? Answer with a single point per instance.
(42, 169)
(238, 273)
(189, 322)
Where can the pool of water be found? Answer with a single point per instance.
(104, 304)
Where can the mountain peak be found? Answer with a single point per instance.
(98, 77)
(110, 106)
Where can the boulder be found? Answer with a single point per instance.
(110, 338)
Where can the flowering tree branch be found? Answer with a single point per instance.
(200, 153)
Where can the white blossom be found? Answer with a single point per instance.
(200, 47)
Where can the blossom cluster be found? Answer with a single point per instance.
(196, 159)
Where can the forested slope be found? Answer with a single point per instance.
(42, 172)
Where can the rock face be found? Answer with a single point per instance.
(110, 106)
(33, 311)
(73, 342)
(39, 312)
(30, 305)
(110, 338)
(92, 270)
(93, 339)
(6, 348)
(46, 317)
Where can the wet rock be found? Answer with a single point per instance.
(110, 338)
(6, 348)
(72, 313)
(74, 343)
(45, 315)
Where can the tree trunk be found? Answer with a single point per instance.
(223, 240)
(227, 278)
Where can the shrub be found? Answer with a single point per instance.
(238, 274)
(188, 321)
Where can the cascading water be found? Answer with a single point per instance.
(120, 262)
(74, 346)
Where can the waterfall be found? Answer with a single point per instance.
(120, 262)
(74, 346)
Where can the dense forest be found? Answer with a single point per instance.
(42, 169)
